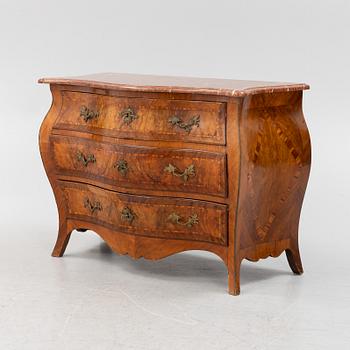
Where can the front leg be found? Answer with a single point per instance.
(234, 268)
(62, 240)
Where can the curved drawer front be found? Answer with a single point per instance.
(147, 216)
(143, 118)
(141, 167)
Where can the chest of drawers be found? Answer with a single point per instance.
(159, 165)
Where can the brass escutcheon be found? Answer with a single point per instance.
(85, 160)
(127, 215)
(92, 206)
(88, 114)
(122, 166)
(128, 115)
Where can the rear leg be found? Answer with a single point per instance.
(294, 260)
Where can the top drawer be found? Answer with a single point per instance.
(143, 118)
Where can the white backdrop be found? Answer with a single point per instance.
(297, 41)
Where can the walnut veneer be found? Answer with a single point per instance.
(159, 165)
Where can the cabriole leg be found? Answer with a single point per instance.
(294, 260)
(62, 241)
(234, 277)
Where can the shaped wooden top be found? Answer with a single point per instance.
(170, 84)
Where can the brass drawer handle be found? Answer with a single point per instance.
(189, 171)
(122, 166)
(127, 215)
(176, 219)
(88, 114)
(128, 115)
(177, 122)
(90, 158)
(92, 206)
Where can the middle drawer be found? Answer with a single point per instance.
(139, 167)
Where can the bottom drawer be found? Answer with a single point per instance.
(147, 216)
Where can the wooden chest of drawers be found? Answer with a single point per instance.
(160, 165)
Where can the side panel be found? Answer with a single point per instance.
(275, 166)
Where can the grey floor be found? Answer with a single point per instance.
(95, 299)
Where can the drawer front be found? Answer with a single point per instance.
(147, 216)
(143, 118)
(141, 167)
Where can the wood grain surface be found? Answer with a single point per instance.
(152, 118)
(152, 216)
(242, 198)
(141, 167)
